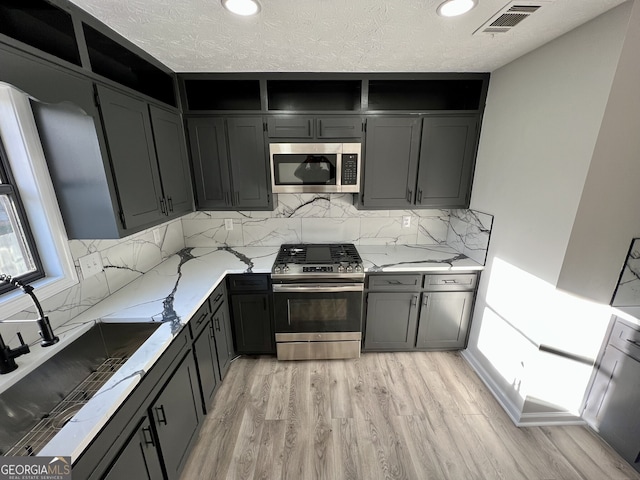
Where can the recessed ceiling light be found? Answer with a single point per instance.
(242, 7)
(453, 8)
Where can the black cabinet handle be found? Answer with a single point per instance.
(227, 198)
(218, 297)
(170, 202)
(237, 198)
(150, 441)
(201, 319)
(213, 334)
(217, 322)
(163, 207)
(637, 344)
(162, 419)
(425, 300)
(419, 195)
(414, 300)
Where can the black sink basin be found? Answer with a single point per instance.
(52, 393)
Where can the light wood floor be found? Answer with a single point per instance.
(383, 416)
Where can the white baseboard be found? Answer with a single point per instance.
(515, 414)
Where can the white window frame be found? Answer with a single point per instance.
(29, 168)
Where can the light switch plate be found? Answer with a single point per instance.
(406, 221)
(228, 224)
(91, 264)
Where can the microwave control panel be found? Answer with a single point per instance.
(349, 169)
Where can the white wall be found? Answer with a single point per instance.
(541, 124)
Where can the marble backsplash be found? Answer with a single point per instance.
(628, 292)
(123, 260)
(333, 218)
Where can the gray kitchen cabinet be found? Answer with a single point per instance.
(230, 163)
(419, 162)
(391, 321)
(447, 152)
(444, 320)
(390, 163)
(139, 457)
(224, 339)
(176, 415)
(204, 350)
(418, 311)
(314, 127)
(612, 407)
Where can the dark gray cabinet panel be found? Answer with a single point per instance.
(229, 163)
(172, 159)
(252, 323)
(139, 458)
(391, 160)
(338, 127)
(176, 414)
(391, 321)
(209, 156)
(224, 340)
(290, 126)
(447, 155)
(127, 126)
(204, 349)
(444, 320)
(248, 159)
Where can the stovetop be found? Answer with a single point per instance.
(318, 260)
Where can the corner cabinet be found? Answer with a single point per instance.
(418, 312)
(230, 163)
(419, 161)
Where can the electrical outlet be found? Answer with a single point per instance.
(91, 264)
(406, 221)
(228, 224)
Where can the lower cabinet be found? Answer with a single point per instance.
(405, 313)
(221, 328)
(139, 457)
(176, 416)
(613, 404)
(204, 348)
(252, 323)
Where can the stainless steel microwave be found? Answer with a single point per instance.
(315, 167)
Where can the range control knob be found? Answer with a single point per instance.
(349, 269)
(340, 268)
(276, 270)
(358, 268)
(285, 269)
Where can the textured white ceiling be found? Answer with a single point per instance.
(333, 35)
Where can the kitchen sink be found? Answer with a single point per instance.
(42, 402)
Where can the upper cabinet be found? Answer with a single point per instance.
(321, 128)
(229, 163)
(419, 161)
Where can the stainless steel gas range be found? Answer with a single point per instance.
(318, 292)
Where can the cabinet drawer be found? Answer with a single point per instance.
(627, 339)
(217, 298)
(448, 282)
(294, 126)
(199, 319)
(339, 127)
(248, 283)
(395, 282)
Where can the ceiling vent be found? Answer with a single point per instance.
(509, 16)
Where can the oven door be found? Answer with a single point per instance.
(318, 308)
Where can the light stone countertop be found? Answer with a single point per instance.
(171, 293)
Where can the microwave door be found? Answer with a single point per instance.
(304, 173)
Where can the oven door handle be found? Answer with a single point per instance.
(319, 288)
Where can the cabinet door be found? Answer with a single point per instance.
(224, 340)
(339, 127)
(444, 320)
(613, 405)
(172, 160)
(176, 415)
(391, 160)
(447, 155)
(391, 321)
(139, 457)
(205, 353)
(210, 162)
(290, 126)
(249, 166)
(252, 324)
(127, 127)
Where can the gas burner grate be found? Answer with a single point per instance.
(334, 253)
(53, 422)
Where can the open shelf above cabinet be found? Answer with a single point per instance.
(115, 62)
(222, 94)
(314, 95)
(42, 26)
(421, 95)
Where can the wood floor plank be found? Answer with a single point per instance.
(351, 419)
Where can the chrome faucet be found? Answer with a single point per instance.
(8, 355)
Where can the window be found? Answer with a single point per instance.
(18, 254)
(29, 210)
